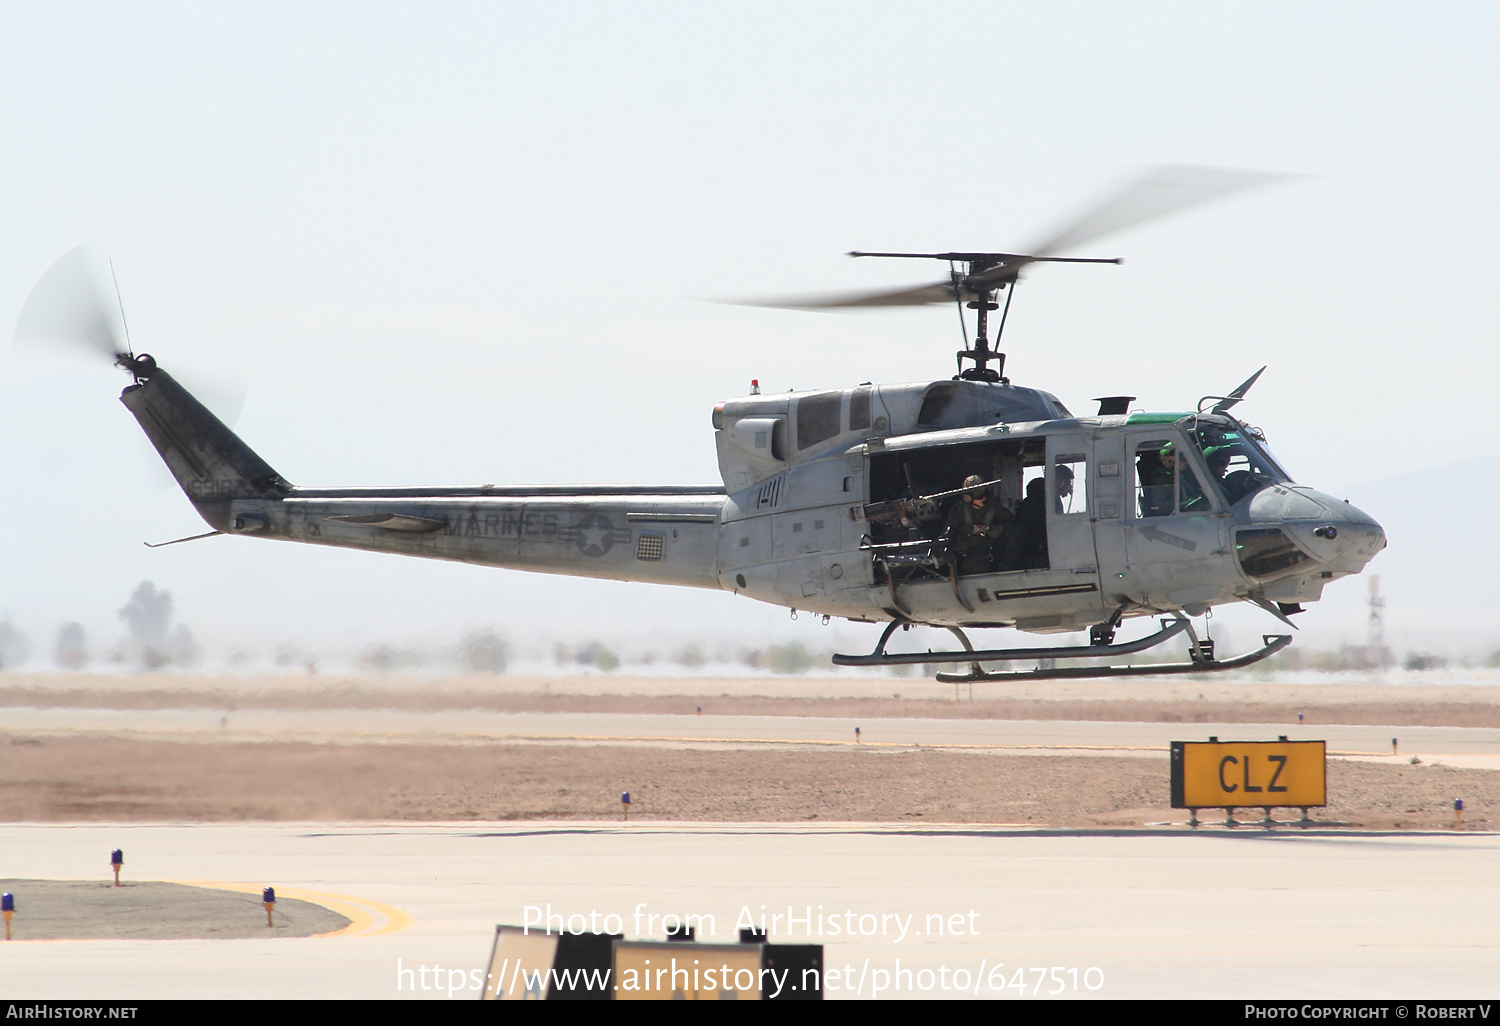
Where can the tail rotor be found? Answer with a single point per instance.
(77, 306)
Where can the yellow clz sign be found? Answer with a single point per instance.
(1216, 774)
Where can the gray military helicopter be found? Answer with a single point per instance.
(866, 503)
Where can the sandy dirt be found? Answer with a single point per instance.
(105, 777)
(113, 779)
(1164, 701)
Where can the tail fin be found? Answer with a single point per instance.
(208, 460)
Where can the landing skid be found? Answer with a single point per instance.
(1273, 643)
(880, 657)
(1200, 655)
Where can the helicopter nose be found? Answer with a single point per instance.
(1343, 537)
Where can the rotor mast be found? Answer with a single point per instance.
(975, 287)
(980, 352)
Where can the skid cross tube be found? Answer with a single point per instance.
(1273, 643)
(880, 657)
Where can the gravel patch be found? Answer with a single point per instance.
(152, 910)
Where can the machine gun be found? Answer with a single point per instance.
(902, 560)
(913, 511)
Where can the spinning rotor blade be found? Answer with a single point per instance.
(921, 295)
(71, 305)
(74, 307)
(998, 276)
(1160, 193)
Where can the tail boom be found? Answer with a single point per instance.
(636, 536)
(667, 535)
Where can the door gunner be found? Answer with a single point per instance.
(973, 526)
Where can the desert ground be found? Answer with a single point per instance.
(81, 768)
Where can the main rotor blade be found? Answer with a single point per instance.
(1010, 270)
(1161, 192)
(921, 295)
(70, 305)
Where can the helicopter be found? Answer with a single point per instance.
(959, 503)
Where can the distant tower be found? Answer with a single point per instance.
(1378, 654)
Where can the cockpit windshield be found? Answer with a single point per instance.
(1237, 461)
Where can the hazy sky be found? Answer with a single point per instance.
(467, 242)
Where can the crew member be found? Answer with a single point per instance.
(1157, 477)
(973, 526)
(1237, 485)
(1192, 498)
(1062, 478)
(1217, 458)
(1026, 548)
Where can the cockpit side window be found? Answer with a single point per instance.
(1190, 497)
(1238, 467)
(1166, 482)
(1155, 469)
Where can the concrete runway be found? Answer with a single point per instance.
(1476, 747)
(1156, 914)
